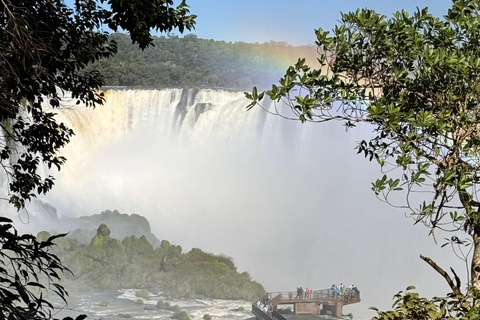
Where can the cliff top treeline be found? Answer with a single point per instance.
(194, 62)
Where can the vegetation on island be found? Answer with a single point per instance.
(133, 262)
(194, 62)
(178, 313)
(415, 79)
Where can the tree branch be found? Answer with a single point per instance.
(442, 272)
(457, 279)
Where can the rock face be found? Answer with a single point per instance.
(45, 217)
(121, 226)
(103, 230)
(83, 229)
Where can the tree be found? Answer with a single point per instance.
(416, 80)
(27, 270)
(44, 49)
(409, 305)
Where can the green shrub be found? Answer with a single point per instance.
(227, 260)
(206, 316)
(166, 306)
(139, 301)
(180, 315)
(175, 309)
(144, 294)
(164, 244)
(163, 305)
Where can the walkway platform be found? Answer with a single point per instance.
(319, 302)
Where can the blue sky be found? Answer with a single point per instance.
(292, 21)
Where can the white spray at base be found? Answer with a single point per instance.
(123, 304)
(291, 203)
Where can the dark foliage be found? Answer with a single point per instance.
(27, 271)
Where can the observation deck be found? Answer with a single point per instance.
(319, 302)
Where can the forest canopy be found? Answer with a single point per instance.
(193, 62)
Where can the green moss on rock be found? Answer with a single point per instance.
(103, 230)
(144, 294)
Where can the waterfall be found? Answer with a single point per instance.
(291, 203)
(188, 115)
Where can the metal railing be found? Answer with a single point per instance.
(324, 294)
(262, 315)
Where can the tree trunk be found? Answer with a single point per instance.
(476, 260)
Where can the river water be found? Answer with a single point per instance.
(122, 304)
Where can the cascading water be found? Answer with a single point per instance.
(289, 202)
